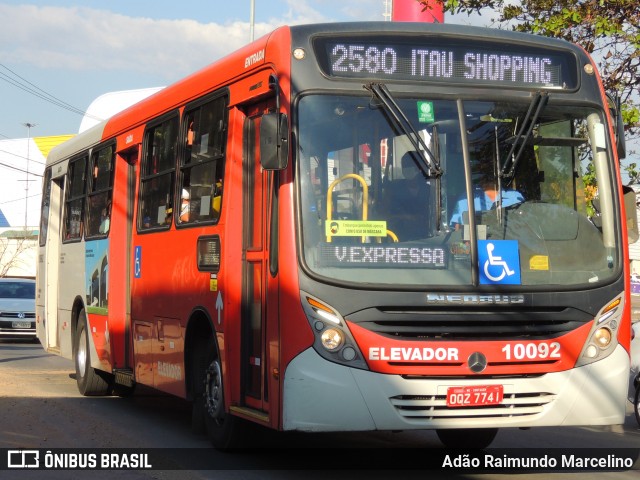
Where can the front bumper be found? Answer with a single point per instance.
(12, 329)
(324, 396)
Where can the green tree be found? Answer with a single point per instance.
(610, 31)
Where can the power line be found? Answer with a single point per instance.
(21, 199)
(40, 90)
(34, 90)
(19, 170)
(25, 85)
(20, 156)
(16, 84)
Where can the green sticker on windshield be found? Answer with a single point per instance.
(425, 112)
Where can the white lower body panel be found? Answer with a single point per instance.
(324, 396)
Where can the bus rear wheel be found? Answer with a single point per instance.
(467, 437)
(89, 380)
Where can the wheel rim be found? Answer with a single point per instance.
(81, 353)
(214, 400)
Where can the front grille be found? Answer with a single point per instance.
(470, 324)
(465, 330)
(434, 407)
(16, 315)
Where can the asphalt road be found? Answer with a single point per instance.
(40, 408)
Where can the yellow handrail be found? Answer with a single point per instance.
(365, 197)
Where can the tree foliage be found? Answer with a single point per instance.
(14, 252)
(610, 31)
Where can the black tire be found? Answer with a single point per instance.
(197, 369)
(90, 381)
(225, 431)
(636, 404)
(467, 437)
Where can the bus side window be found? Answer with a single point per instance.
(46, 203)
(157, 180)
(75, 198)
(202, 163)
(100, 188)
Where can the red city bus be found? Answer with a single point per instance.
(370, 226)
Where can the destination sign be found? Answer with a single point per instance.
(435, 60)
(381, 256)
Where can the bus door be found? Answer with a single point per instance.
(258, 331)
(122, 262)
(51, 258)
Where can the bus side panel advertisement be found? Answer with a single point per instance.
(97, 295)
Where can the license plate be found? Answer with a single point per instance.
(476, 396)
(21, 324)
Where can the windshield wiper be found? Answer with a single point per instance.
(536, 107)
(431, 165)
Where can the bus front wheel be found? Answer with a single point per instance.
(224, 430)
(467, 437)
(89, 380)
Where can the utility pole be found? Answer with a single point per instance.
(252, 17)
(388, 10)
(26, 188)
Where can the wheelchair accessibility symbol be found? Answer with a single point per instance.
(499, 262)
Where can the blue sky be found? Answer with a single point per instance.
(76, 51)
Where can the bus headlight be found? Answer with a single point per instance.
(332, 338)
(603, 339)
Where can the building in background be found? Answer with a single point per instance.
(22, 162)
(107, 105)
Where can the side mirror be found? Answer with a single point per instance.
(274, 141)
(631, 213)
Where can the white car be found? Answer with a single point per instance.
(17, 308)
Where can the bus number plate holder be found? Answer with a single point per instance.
(476, 396)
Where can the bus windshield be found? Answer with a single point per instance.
(527, 181)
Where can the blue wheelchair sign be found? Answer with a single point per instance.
(499, 262)
(137, 265)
